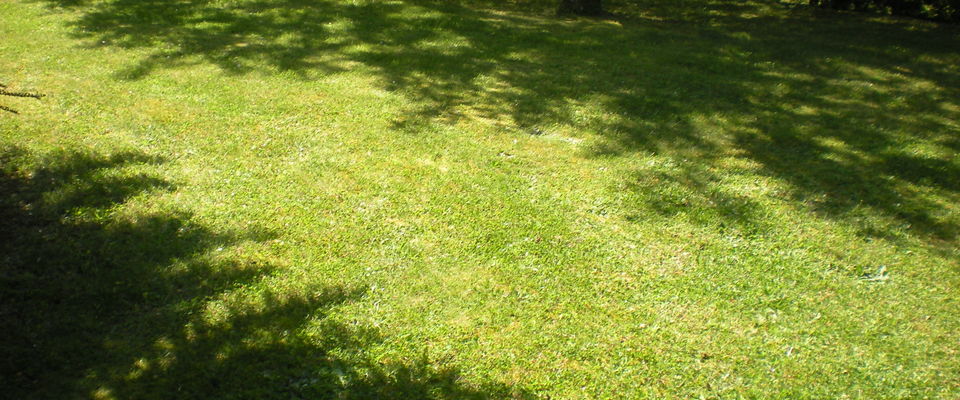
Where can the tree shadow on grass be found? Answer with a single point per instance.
(101, 302)
(839, 108)
(856, 118)
(853, 109)
(285, 348)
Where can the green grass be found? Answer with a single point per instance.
(427, 199)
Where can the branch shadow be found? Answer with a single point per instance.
(95, 302)
(803, 93)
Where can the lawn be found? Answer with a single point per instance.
(477, 199)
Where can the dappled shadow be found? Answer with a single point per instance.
(803, 93)
(74, 271)
(103, 301)
(855, 114)
(691, 193)
(284, 348)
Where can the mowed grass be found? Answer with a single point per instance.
(419, 199)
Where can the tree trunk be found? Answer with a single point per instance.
(581, 7)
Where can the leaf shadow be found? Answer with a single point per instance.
(96, 301)
(791, 89)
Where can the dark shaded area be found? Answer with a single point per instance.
(97, 301)
(943, 10)
(692, 195)
(222, 360)
(239, 37)
(786, 82)
(581, 7)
